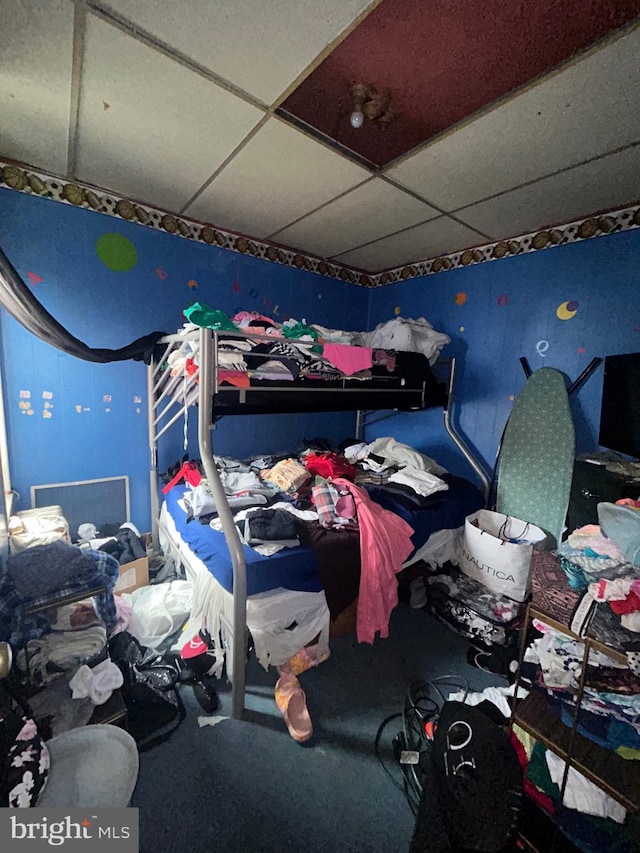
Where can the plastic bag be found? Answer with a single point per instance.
(159, 611)
(622, 525)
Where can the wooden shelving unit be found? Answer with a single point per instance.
(615, 776)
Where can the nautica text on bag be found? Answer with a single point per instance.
(496, 573)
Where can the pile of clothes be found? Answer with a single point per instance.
(295, 349)
(61, 649)
(609, 716)
(602, 563)
(473, 611)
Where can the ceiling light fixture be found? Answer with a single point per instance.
(371, 104)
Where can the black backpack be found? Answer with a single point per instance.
(149, 690)
(472, 786)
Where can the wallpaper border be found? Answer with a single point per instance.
(21, 178)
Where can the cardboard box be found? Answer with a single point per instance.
(132, 575)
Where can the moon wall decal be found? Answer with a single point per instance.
(566, 310)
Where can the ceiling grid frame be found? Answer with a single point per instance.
(418, 256)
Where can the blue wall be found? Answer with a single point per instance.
(73, 420)
(494, 313)
(497, 312)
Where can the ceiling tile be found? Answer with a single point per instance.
(259, 47)
(612, 181)
(366, 213)
(36, 50)
(150, 128)
(280, 175)
(443, 60)
(438, 237)
(586, 110)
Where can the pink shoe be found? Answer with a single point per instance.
(304, 659)
(292, 704)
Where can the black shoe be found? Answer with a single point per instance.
(498, 661)
(206, 694)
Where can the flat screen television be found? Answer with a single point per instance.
(620, 411)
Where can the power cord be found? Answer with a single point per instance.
(423, 702)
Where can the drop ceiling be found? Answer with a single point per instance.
(507, 117)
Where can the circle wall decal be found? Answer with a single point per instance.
(460, 298)
(567, 310)
(503, 299)
(117, 252)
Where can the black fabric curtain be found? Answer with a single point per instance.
(20, 302)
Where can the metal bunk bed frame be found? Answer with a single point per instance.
(160, 390)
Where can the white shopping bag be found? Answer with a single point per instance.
(496, 552)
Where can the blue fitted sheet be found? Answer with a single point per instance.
(291, 568)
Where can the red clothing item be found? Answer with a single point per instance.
(329, 465)
(385, 543)
(190, 367)
(189, 472)
(234, 377)
(627, 605)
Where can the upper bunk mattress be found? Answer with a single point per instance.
(409, 385)
(254, 374)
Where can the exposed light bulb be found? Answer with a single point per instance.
(357, 117)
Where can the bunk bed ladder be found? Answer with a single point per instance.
(159, 390)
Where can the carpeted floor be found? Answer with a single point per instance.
(247, 786)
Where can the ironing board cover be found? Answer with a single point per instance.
(538, 450)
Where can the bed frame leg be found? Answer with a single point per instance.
(229, 529)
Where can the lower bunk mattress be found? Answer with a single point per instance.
(281, 621)
(291, 568)
(327, 560)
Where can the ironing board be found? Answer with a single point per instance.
(537, 455)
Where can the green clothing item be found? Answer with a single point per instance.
(629, 753)
(204, 315)
(538, 773)
(300, 330)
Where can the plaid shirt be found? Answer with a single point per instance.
(325, 498)
(18, 625)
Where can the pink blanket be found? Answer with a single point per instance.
(385, 543)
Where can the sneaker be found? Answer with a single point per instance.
(418, 590)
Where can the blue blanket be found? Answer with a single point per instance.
(445, 510)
